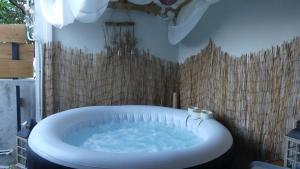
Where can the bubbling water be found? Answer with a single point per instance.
(124, 137)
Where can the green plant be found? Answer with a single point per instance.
(12, 11)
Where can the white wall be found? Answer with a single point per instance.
(43, 33)
(243, 26)
(8, 112)
(151, 33)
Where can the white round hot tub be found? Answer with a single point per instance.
(48, 148)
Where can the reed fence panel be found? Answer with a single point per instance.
(74, 79)
(257, 96)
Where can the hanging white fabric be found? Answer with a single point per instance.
(60, 13)
(187, 19)
(88, 11)
(57, 12)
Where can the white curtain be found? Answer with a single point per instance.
(88, 11)
(57, 12)
(63, 12)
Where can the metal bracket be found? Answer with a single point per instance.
(18, 102)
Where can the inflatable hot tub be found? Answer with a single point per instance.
(48, 145)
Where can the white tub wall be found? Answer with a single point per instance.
(243, 26)
(151, 33)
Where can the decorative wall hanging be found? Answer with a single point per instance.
(119, 35)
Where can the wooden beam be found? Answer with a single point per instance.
(119, 23)
(12, 33)
(150, 8)
(16, 68)
(26, 51)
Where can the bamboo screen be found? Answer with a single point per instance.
(74, 79)
(256, 96)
